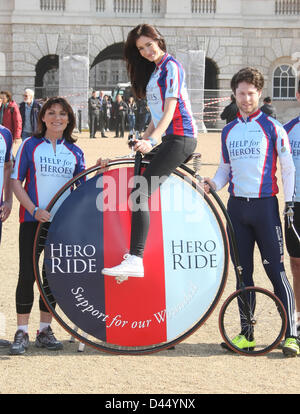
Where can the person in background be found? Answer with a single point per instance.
(94, 114)
(230, 111)
(268, 108)
(29, 110)
(10, 116)
(120, 111)
(131, 114)
(102, 114)
(107, 108)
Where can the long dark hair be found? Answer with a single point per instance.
(41, 126)
(139, 69)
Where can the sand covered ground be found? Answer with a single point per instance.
(197, 365)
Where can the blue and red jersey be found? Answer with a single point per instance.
(168, 81)
(251, 148)
(5, 154)
(293, 130)
(45, 171)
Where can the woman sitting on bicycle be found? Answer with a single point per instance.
(160, 78)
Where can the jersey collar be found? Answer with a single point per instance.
(250, 118)
(162, 60)
(59, 141)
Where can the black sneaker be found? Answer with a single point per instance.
(46, 339)
(20, 344)
(4, 343)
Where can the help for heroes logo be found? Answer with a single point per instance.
(56, 166)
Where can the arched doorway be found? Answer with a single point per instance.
(211, 92)
(211, 75)
(47, 77)
(108, 68)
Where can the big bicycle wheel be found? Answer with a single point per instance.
(258, 314)
(185, 261)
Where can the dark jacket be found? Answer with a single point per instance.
(120, 108)
(93, 105)
(269, 110)
(36, 107)
(229, 113)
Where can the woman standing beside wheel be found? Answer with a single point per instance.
(46, 161)
(160, 78)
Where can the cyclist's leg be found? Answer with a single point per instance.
(270, 243)
(239, 213)
(24, 291)
(293, 248)
(244, 234)
(47, 291)
(173, 151)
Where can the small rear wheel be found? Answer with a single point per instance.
(257, 314)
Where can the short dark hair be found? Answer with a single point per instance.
(41, 126)
(267, 99)
(249, 75)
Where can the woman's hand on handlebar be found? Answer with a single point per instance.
(142, 146)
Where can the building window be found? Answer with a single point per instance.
(125, 6)
(115, 76)
(289, 7)
(103, 77)
(100, 5)
(52, 5)
(203, 6)
(284, 82)
(155, 6)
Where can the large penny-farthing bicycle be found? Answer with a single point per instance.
(186, 264)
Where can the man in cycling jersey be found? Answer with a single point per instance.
(251, 145)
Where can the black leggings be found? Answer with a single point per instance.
(172, 152)
(24, 292)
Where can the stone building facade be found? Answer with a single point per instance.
(234, 33)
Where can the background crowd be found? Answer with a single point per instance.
(119, 115)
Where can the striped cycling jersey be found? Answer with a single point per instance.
(46, 171)
(5, 154)
(251, 147)
(168, 81)
(293, 130)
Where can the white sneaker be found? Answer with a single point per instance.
(131, 266)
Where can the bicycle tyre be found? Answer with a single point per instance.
(268, 320)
